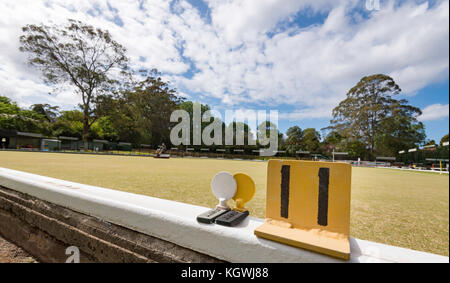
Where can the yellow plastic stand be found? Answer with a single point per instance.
(308, 206)
(244, 192)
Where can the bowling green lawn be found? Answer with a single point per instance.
(401, 208)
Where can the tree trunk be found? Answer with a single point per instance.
(372, 150)
(85, 130)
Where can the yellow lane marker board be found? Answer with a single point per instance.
(308, 206)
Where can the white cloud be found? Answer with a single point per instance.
(308, 113)
(246, 19)
(434, 112)
(314, 67)
(232, 58)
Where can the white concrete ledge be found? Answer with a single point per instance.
(176, 222)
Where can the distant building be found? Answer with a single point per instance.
(69, 143)
(11, 139)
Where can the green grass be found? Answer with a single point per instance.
(402, 208)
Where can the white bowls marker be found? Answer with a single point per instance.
(224, 187)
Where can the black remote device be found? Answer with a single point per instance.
(231, 218)
(209, 216)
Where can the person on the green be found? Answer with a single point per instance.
(161, 149)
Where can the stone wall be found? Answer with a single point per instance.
(46, 230)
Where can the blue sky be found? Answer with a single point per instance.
(298, 57)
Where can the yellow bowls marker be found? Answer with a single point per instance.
(245, 190)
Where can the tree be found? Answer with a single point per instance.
(140, 114)
(7, 107)
(69, 124)
(188, 106)
(80, 55)
(311, 140)
(334, 142)
(355, 149)
(151, 102)
(294, 139)
(268, 127)
(241, 133)
(399, 131)
(372, 116)
(12, 117)
(49, 112)
(444, 139)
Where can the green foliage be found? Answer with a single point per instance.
(114, 107)
(152, 102)
(69, 124)
(334, 142)
(398, 133)
(311, 140)
(79, 55)
(338, 143)
(444, 139)
(294, 139)
(371, 115)
(49, 112)
(105, 128)
(355, 149)
(139, 115)
(238, 129)
(8, 107)
(188, 106)
(269, 127)
(12, 117)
